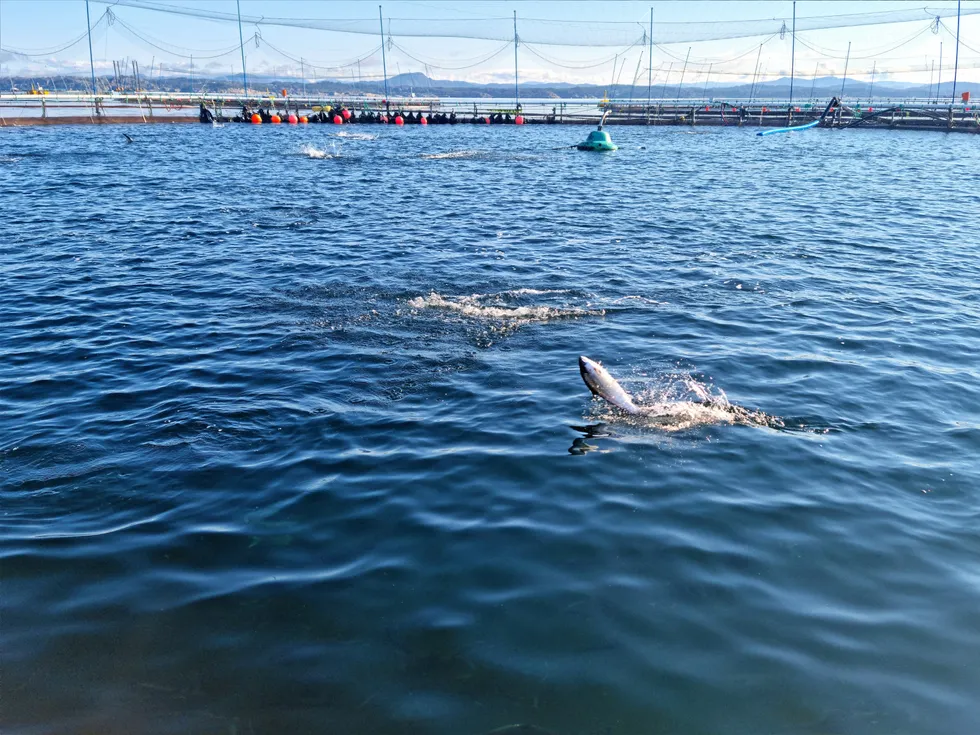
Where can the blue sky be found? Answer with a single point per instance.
(898, 51)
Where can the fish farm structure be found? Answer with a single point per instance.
(906, 114)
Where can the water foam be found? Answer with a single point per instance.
(496, 307)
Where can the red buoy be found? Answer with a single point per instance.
(338, 120)
(276, 120)
(304, 120)
(519, 120)
(486, 120)
(292, 119)
(399, 120)
(256, 120)
(423, 121)
(345, 113)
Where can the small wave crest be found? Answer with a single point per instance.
(504, 307)
(452, 154)
(355, 136)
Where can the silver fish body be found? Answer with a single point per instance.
(604, 385)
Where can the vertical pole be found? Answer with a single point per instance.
(792, 60)
(939, 81)
(91, 58)
(705, 94)
(814, 82)
(650, 68)
(755, 74)
(956, 63)
(683, 71)
(384, 61)
(871, 92)
(932, 76)
(517, 89)
(241, 43)
(846, 60)
(302, 73)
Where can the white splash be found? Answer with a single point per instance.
(355, 136)
(496, 307)
(678, 402)
(312, 152)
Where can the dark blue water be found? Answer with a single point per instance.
(293, 439)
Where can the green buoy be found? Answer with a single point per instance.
(598, 140)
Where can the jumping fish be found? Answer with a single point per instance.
(604, 385)
(674, 414)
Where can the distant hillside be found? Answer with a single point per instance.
(404, 85)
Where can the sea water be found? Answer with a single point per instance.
(293, 439)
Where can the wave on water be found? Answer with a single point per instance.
(355, 136)
(506, 307)
(452, 154)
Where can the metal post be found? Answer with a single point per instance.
(241, 42)
(871, 92)
(683, 72)
(91, 58)
(956, 63)
(846, 60)
(792, 60)
(517, 89)
(755, 74)
(705, 93)
(302, 73)
(384, 61)
(932, 76)
(939, 80)
(650, 68)
(814, 82)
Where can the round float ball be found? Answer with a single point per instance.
(519, 120)
(276, 119)
(346, 114)
(338, 120)
(399, 120)
(256, 120)
(423, 121)
(293, 119)
(304, 120)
